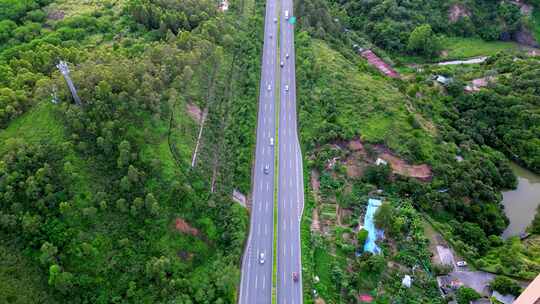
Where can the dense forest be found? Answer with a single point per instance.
(99, 203)
(390, 24)
(106, 206)
(467, 139)
(506, 116)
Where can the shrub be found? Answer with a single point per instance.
(441, 269)
(423, 41)
(465, 295)
(362, 236)
(505, 285)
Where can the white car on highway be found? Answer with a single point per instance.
(286, 88)
(286, 15)
(266, 169)
(269, 87)
(275, 20)
(461, 263)
(271, 141)
(261, 258)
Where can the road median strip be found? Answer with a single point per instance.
(276, 164)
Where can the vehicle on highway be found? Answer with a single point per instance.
(461, 263)
(270, 36)
(269, 87)
(295, 276)
(286, 88)
(281, 64)
(266, 169)
(286, 15)
(275, 20)
(271, 141)
(261, 258)
(287, 56)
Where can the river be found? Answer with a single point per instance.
(520, 204)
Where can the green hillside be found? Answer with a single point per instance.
(99, 203)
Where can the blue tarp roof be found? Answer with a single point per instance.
(369, 225)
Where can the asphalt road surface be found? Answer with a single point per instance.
(256, 280)
(291, 180)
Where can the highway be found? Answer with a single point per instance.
(256, 277)
(256, 281)
(290, 180)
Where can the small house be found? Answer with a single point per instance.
(443, 80)
(381, 161)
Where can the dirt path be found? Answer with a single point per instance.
(315, 185)
(194, 112)
(203, 119)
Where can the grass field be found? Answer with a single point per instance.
(365, 104)
(183, 138)
(80, 7)
(462, 48)
(38, 124)
(323, 269)
(459, 48)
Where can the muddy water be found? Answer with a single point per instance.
(520, 204)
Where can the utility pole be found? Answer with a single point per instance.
(64, 69)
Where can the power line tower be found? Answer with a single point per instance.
(64, 69)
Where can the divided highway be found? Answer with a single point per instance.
(291, 179)
(256, 280)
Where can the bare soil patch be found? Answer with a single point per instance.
(183, 226)
(185, 255)
(56, 15)
(478, 83)
(319, 301)
(356, 145)
(526, 9)
(194, 112)
(401, 167)
(354, 168)
(239, 197)
(458, 11)
(444, 53)
(533, 53)
(525, 37)
(357, 160)
(315, 183)
(315, 222)
(338, 215)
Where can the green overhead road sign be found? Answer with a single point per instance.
(292, 20)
